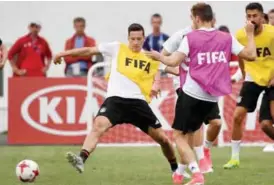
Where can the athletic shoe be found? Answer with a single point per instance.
(197, 179)
(75, 161)
(232, 164)
(208, 156)
(204, 166)
(177, 178)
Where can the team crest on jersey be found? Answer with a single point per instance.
(239, 99)
(103, 109)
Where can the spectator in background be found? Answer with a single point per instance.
(156, 39)
(265, 20)
(271, 17)
(78, 66)
(3, 54)
(31, 54)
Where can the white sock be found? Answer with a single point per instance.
(193, 167)
(181, 168)
(199, 152)
(208, 144)
(235, 146)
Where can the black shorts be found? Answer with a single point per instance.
(248, 99)
(190, 113)
(214, 114)
(134, 111)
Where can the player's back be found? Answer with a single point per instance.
(262, 68)
(209, 53)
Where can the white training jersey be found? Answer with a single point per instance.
(172, 44)
(191, 87)
(118, 84)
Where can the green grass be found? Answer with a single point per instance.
(130, 166)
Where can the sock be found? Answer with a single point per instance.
(173, 164)
(199, 152)
(208, 144)
(181, 168)
(193, 167)
(235, 149)
(84, 155)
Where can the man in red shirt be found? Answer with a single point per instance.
(3, 54)
(78, 66)
(30, 55)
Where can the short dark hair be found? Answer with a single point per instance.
(79, 19)
(203, 10)
(271, 11)
(266, 17)
(156, 15)
(224, 28)
(136, 27)
(0, 42)
(254, 6)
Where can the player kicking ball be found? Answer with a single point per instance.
(128, 94)
(209, 51)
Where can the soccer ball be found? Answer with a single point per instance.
(27, 170)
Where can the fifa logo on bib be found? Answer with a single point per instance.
(141, 64)
(211, 57)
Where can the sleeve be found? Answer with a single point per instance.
(146, 44)
(108, 48)
(48, 51)
(172, 43)
(236, 46)
(14, 50)
(184, 46)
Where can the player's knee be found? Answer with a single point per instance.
(162, 140)
(239, 116)
(100, 125)
(265, 125)
(216, 123)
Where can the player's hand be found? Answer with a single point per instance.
(153, 54)
(20, 72)
(155, 93)
(45, 69)
(57, 59)
(249, 27)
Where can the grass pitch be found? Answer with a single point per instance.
(130, 166)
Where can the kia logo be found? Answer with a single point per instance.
(48, 109)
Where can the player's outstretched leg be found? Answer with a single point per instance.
(237, 132)
(187, 157)
(212, 133)
(198, 140)
(100, 126)
(159, 136)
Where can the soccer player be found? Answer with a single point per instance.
(130, 83)
(257, 77)
(209, 51)
(3, 54)
(213, 120)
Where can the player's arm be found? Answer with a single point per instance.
(249, 51)
(85, 51)
(167, 69)
(175, 58)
